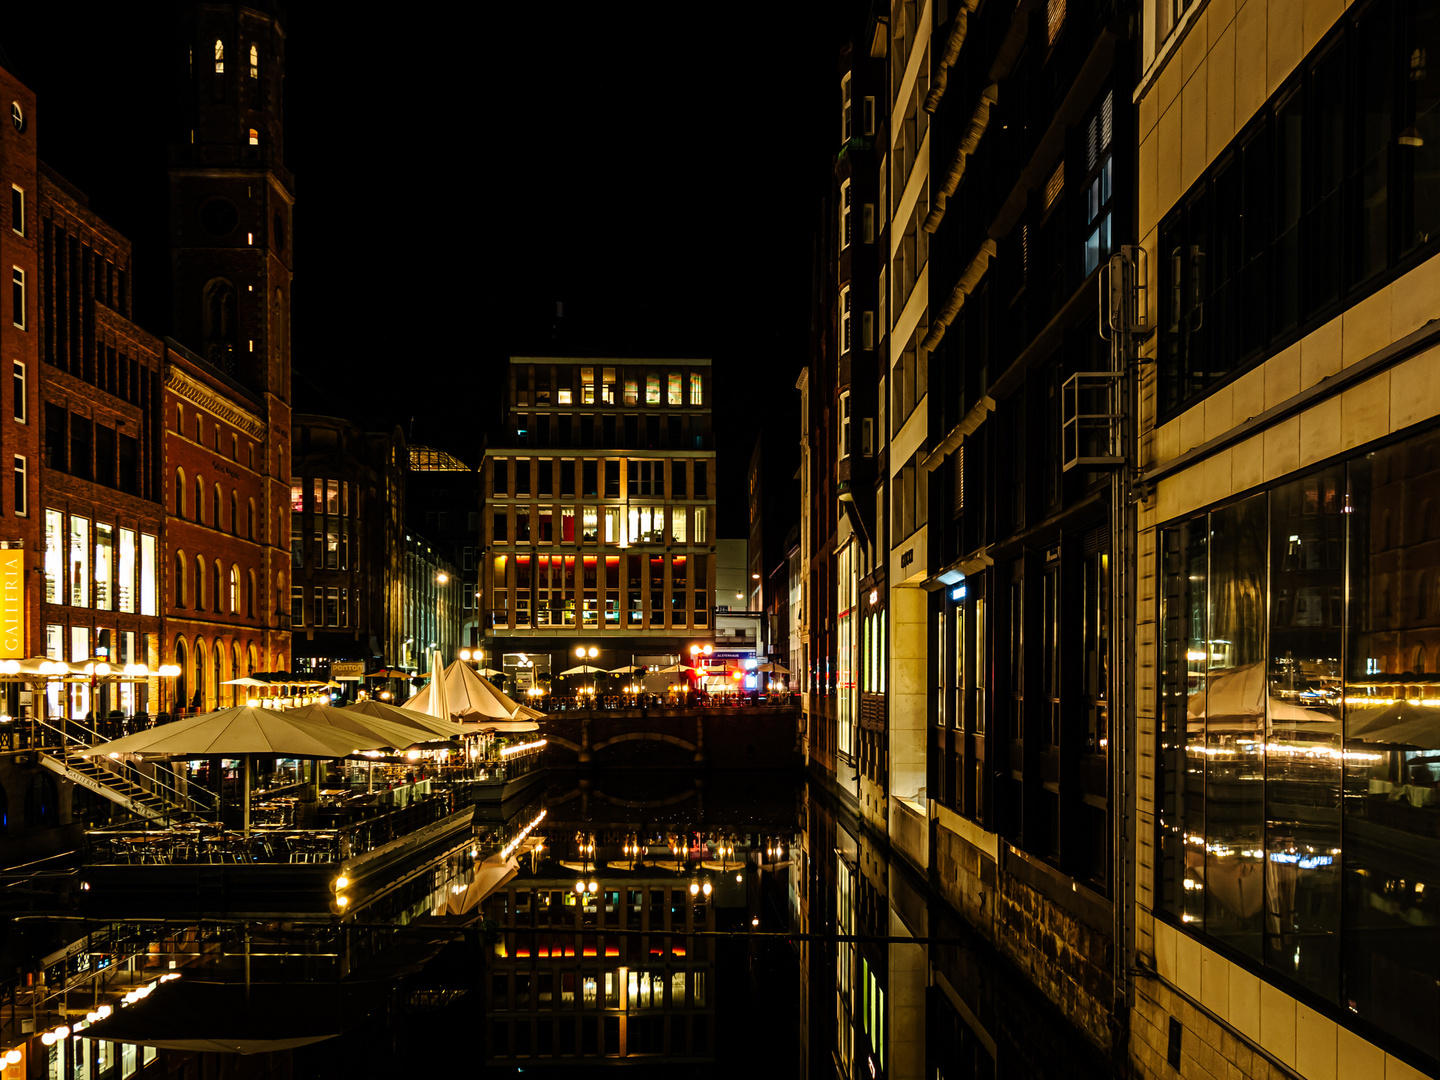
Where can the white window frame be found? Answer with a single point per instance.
(867, 114)
(21, 376)
(844, 424)
(846, 105)
(18, 224)
(867, 330)
(867, 223)
(17, 277)
(22, 486)
(845, 319)
(844, 214)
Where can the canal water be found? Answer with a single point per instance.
(734, 924)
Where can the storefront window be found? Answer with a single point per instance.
(54, 556)
(1300, 733)
(297, 495)
(147, 574)
(125, 576)
(79, 562)
(104, 566)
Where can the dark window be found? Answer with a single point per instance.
(522, 477)
(702, 479)
(589, 485)
(1333, 186)
(677, 480)
(500, 475)
(80, 447)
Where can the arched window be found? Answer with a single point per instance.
(197, 694)
(199, 583)
(250, 660)
(216, 518)
(234, 590)
(216, 655)
(182, 680)
(200, 500)
(236, 697)
(179, 579)
(254, 61)
(180, 493)
(219, 57)
(199, 428)
(219, 604)
(250, 521)
(254, 137)
(250, 597)
(235, 448)
(220, 329)
(234, 513)
(180, 419)
(279, 595)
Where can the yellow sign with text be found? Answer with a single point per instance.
(12, 604)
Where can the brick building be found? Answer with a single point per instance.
(227, 415)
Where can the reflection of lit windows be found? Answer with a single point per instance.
(254, 61)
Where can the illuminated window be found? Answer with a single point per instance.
(1054, 20)
(234, 590)
(254, 137)
(652, 389)
(845, 424)
(844, 214)
(254, 61)
(674, 389)
(17, 296)
(697, 388)
(21, 487)
(845, 319)
(846, 109)
(219, 57)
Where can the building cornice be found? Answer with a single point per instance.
(199, 393)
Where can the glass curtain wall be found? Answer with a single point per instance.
(1299, 698)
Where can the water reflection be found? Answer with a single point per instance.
(662, 920)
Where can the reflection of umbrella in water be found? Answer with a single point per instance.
(1397, 724)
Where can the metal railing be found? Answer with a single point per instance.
(149, 782)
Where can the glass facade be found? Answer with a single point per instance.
(1299, 771)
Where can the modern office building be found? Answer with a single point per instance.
(599, 514)
(1286, 860)
(962, 634)
(442, 500)
(348, 545)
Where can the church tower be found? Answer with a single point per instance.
(231, 195)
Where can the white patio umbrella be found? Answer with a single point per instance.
(490, 672)
(626, 669)
(396, 736)
(586, 669)
(241, 732)
(774, 669)
(423, 723)
(468, 696)
(673, 668)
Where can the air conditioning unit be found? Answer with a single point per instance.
(867, 437)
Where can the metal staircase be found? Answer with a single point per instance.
(154, 801)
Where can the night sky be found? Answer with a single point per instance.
(656, 167)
